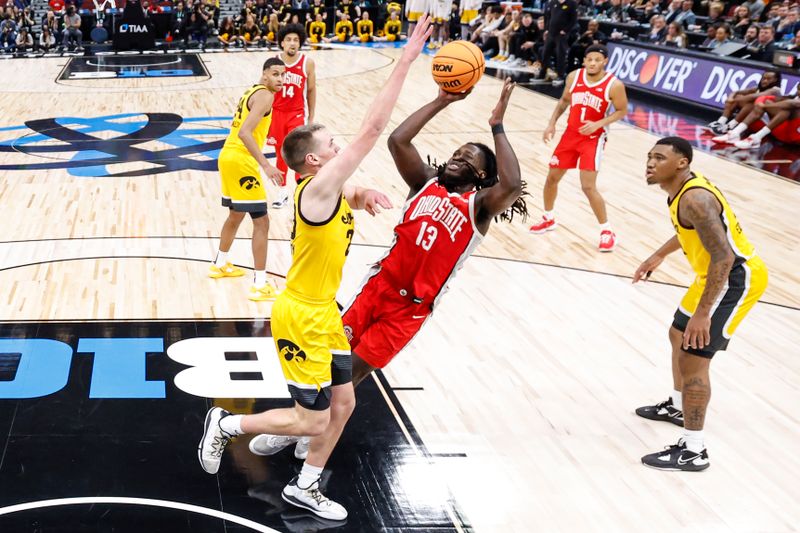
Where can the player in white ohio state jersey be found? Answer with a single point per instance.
(589, 92)
(294, 104)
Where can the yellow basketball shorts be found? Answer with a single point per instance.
(312, 348)
(468, 16)
(241, 182)
(414, 16)
(746, 283)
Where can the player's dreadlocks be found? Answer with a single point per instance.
(519, 207)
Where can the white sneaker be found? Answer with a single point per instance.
(718, 128)
(301, 450)
(270, 444)
(214, 440)
(281, 202)
(313, 500)
(748, 143)
(725, 138)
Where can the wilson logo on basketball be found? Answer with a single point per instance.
(442, 68)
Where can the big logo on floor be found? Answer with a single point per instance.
(124, 145)
(100, 422)
(133, 66)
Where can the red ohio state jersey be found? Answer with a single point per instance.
(435, 235)
(589, 101)
(293, 95)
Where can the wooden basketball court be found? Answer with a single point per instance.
(515, 402)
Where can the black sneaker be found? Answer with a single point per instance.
(677, 457)
(662, 411)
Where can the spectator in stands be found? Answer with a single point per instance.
(523, 42)
(674, 9)
(560, 17)
(686, 17)
(741, 21)
(344, 28)
(795, 44)
(50, 21)
(24, 40)
(651, 9)
(352, 10)
(364, 29)
(212, 10)
(227, 33)
(8, 33)
(741, 103)
(250, 33)
(591, 36)
(318, 7)
(272, 28)
(715, 14)
(300, 4)
(72, 29)
(46, 40)
(248, 8)
(722, 35)
(492, 21)
(675, 35)
(788, 25)
(393, 30)
(197, 26)
(316, 30)
(26, 19)
(764, 48)
(504, 36)
(179, 20)
(616, 11)
(755, 8)
(658, 29)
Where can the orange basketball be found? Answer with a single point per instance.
(457, 66)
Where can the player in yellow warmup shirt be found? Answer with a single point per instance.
(729, 280)
(306, 326)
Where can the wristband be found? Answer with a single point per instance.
(497, 129)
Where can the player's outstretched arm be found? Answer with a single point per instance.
(326, 188)
(492, 201)
(414, 171)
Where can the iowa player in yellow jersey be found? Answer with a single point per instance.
(729, 280)
(306, 326)
(242, 190)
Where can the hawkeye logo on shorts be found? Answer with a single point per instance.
(290, 350)
(249, 182)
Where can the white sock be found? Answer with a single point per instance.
(732, 124)
(722, 119)
(308, 475)
(260, 278)
(694, 440)
(760, 134)
(221, 260)
(232, 424)
(549, 215)
(677, 400)
(605, 226)
(738, 130)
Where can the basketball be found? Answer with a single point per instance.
(457, 66)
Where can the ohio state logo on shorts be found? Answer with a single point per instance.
(554, 161)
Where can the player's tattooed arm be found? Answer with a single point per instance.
(701, 210)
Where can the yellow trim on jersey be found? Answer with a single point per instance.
(696, 253)
(319, 250)
(242, 111)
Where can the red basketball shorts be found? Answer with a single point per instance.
(579, 151)
(380, 321)
(282, 123)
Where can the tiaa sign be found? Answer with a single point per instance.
(219, 367)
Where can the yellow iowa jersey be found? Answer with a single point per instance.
(344, 27)
(695, 252)
(364, 26)
(392, 27)
(260, 131)
(317, 28)
(318, 252)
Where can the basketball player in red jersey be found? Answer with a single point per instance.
(294, 105)
(588, 93)
(448, 211)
